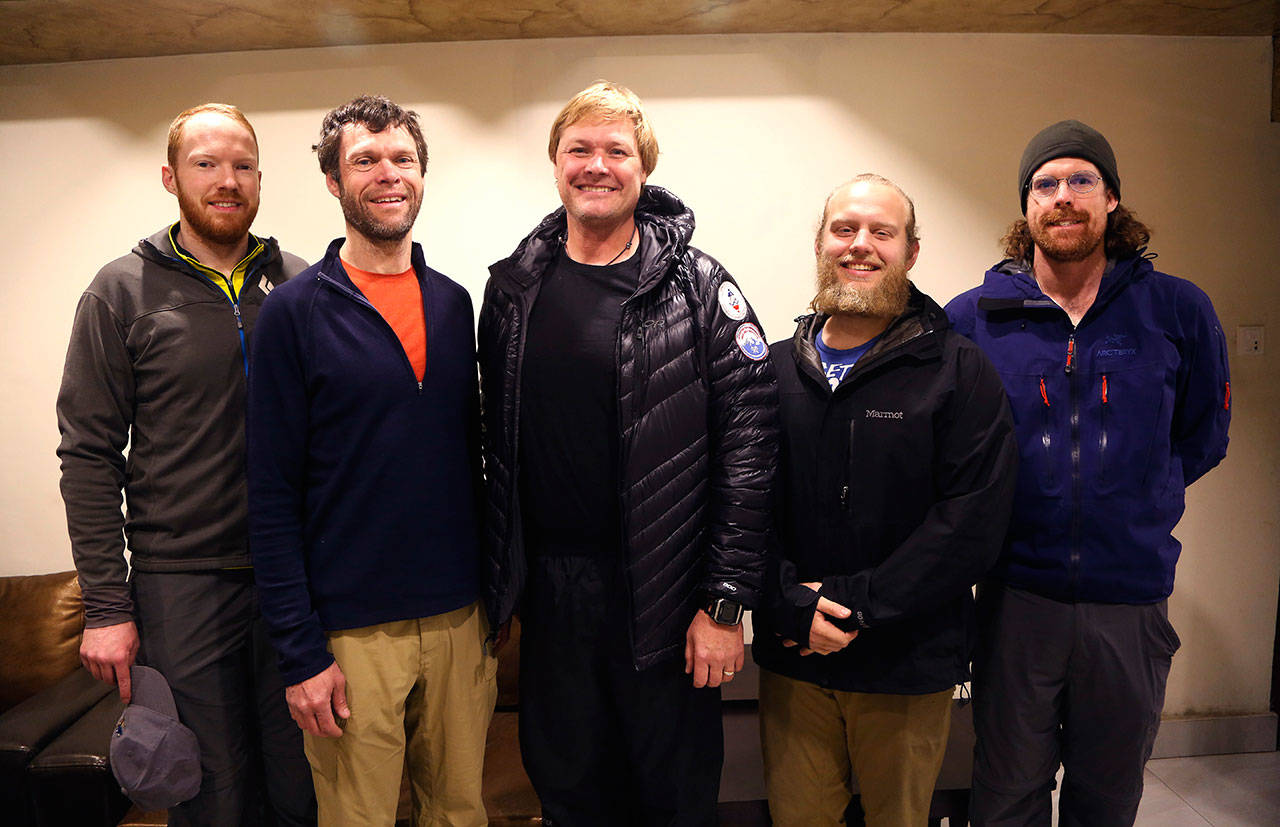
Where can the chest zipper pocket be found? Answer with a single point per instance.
(1046, 433)
(849, 454)
(645, 332)
(1102, 431)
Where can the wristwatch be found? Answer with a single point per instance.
(724, 611)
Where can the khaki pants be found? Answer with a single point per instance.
(423, 687)
(812, 737)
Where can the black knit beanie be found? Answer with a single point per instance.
(1067, 139)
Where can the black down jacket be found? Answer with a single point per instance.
(698, 418)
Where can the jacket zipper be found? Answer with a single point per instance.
(229, 294)
(234, 300)
(848, 471)
(1076, 483)
(361, 300)
(625, 560)
(519, 316)
(863, 365)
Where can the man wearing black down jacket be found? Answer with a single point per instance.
(630, 439)
(895, 485)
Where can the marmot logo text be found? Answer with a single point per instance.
(873, 414)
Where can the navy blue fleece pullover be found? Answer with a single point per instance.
(363, 482)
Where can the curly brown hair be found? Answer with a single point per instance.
(1126, 236)
(376, 113)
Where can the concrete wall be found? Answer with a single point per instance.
(754, 131)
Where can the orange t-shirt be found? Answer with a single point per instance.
(398, 297)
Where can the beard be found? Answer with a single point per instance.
(885, 299)
(357, 214)
(212, 226)
(1065, 250)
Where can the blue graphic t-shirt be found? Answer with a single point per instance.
(837, 363)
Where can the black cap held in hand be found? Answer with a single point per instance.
(1067, 139)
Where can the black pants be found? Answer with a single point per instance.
(603, 743)
(1077, 683)
(202, 631)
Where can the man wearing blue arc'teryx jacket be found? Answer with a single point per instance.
(1117, 376)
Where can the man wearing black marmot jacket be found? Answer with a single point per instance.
(630, 428)
(896, 481)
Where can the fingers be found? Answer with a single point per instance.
(825, 638)
(340, 699)
(325, 724)
(832, 608)
(108, 652)
(313, 702)
(317, 719)
(125, 682)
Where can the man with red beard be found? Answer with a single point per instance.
(1117, 375)
(158, 362)
(364, 483)
(894, 488)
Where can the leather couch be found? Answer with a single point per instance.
(55, 719)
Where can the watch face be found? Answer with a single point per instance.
(726, 612)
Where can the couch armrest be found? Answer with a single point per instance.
(41, 617)
(71, 778)
(34, 724)
(31, 725)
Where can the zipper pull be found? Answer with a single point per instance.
(1226, 398)
(1044, 394)
(844, 495)
(235, 308)
(1071, 354)
(1104, 389)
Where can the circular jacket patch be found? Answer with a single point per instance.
(732, 302)
(751, 342)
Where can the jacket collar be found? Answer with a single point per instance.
(159, 249)
(665, 224)
(917, 326)
(331, 268)
(1010, 285)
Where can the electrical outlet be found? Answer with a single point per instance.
(1249, 339)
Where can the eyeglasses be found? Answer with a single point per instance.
(1082, 182)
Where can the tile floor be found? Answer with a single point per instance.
(1240, 790)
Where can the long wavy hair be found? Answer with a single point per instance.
(1126, 236)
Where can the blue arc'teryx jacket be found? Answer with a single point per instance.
(1115, 417)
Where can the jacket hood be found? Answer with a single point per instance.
(667, 225)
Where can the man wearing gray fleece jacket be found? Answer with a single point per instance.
(158, 361)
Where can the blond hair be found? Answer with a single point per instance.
(607, 101)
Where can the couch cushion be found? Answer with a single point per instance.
(41, 618)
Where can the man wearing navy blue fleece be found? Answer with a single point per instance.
(363, 481)
(1117, 375)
